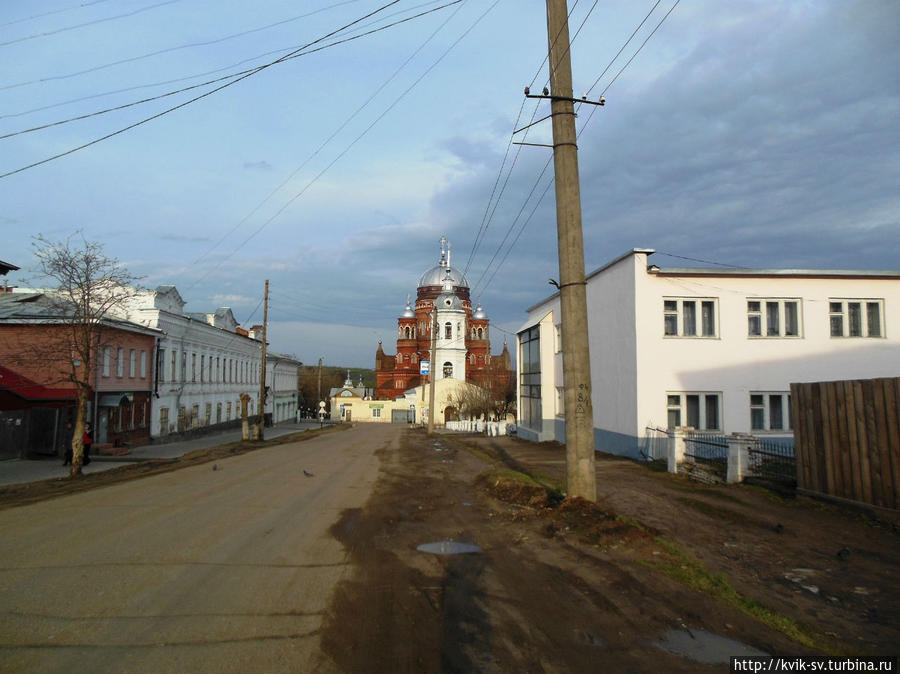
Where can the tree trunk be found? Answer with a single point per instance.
(78, 434)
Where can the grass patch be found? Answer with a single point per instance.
(681, 567)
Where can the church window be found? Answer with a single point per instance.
(448, 330)
(480, 333)
(407, 332)
(472, 359)
(474, 333)
(480, 359)
(448, 370)
(406, 357)
(414, 358)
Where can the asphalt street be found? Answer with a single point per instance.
(225, 570)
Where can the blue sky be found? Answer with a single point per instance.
(761, 134)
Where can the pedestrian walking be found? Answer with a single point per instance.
(87, 440)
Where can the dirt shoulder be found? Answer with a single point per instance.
(566, 585)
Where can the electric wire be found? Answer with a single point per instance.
(483, 229)
(340, 128)
(540, 199)
(51, 12)
(204, 95)
(487, 219)
(48, 33)
(219, 79)
(205, 43)
(341, 154)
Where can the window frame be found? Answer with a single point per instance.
(702, 409)
(695, 328)
(762, 314)
(764, 405)
(844, 315)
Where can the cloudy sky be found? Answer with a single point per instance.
(751, 133)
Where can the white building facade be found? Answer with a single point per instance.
(203, 364)
(281, 382)
(715, 349)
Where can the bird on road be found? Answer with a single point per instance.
(307, 473)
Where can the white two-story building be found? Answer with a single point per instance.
(715, 349)
(203, 363)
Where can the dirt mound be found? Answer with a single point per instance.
(520, 490)
(595, 523)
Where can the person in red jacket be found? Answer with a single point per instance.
(87, 440)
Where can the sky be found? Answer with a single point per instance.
(749, 133)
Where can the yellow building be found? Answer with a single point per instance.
(356, 403)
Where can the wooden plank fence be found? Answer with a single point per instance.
(847, 439)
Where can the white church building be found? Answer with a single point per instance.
(715, 349)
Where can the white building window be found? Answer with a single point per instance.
(690, 317)
(773, 317)
(856, 317)
(697, 409)
(770, 411)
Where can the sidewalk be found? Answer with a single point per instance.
(17, 471)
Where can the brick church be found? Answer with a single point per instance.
(462, 339)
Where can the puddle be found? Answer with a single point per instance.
(448, 548)
(705, 647)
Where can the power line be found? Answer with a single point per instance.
(341, 154)
(695, 259)
(487, 219)
(51, 12)
(206, 43)
(139, 10)
(540, 199)
(340, 128)
(219, 79)
(197, 98)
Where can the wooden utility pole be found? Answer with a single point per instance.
(261, 419)
(581, 477)
(431, 368)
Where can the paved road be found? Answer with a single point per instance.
(225, 570)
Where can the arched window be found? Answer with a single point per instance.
(474, 333)
(448, 330)
(472, 359)
(448, 370)
(407, 332)
(480, 359)
(414, 358)
(406, 357)
(480, 333)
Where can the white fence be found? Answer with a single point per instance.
(478, 426)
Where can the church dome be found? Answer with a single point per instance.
(479, 312)
(435, 277)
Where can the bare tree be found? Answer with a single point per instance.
(89, 288)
